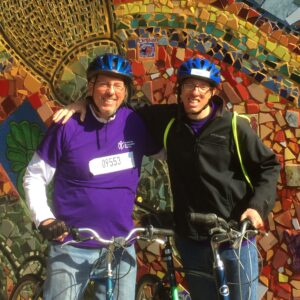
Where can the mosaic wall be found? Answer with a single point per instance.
(45, 49)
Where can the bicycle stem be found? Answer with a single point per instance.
(218, 266)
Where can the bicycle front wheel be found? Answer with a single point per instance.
(150, 287)
(29, 287)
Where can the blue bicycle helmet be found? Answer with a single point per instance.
(110, 63)
(199, 68)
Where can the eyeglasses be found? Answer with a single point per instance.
(190, 87)
(104, 86)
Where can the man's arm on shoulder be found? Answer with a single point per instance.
(156, 118)
(65, 113)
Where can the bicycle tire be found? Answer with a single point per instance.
(150, 287)
(29, 287)
(34, 265)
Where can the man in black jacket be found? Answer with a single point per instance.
(206, 175)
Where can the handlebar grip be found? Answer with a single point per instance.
(203, 219)
(245, 224)
(161, 231)
(74, 233)
(77, 236)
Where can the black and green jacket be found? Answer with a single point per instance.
(205, 171)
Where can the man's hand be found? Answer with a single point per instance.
(66, 113)
(254, 217)
(53, 229)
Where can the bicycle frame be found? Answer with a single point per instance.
(168, 258)
(218, 267)
(109, 280)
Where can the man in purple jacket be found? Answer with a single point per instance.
(95, 166)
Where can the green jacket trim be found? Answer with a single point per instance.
(236, 141)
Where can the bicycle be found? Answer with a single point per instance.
(30, 287)
(28, 274)
(221, 231)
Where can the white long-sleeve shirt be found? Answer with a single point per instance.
(37, 176)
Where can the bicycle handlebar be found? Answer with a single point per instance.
(211, 219)
(150, 232)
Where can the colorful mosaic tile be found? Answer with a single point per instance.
(256, 45)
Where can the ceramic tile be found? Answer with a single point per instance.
(259, 58)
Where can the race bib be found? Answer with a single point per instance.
(112, 163)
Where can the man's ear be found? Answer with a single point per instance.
(90, 88)
(213, 91)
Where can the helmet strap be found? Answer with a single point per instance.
(92, 96)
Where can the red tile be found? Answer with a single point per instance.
(286, 287)
(279, 136)
(162, 54)
(4, 87)
(176, 62)
(156, 266)
(286, 203)
(266, 270)
(35, 100)
(252, 107)
(188, 53)
(229, 77)
(138, 81)
(284, 219)
(280, 258)
(131, 54)
(158, 84)
(284, 295)
(138, 68)
(8, 105)
(246, 79)
(168, 62)
(173, 78)
(252, 13)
